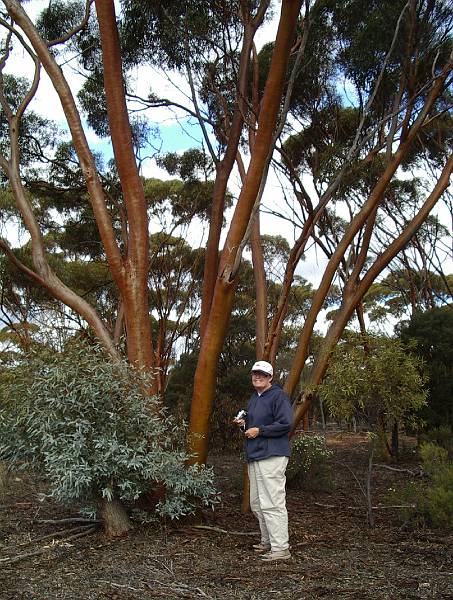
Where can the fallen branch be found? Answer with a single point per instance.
(47, 536)
(79, 535)
(15, 505)
(68, 520)
(414, 472)
(381, 507)
(179, 588)
(219, 530)
(119, 585)
(9, 560)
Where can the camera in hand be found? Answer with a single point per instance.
(242, 414)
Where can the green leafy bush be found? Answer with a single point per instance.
(308, 463)
(443, 436)
(374, 379)
(439, 498)
(434, 458)
(429, 502)
(88, 425)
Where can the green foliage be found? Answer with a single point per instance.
(93, 102)
(429, 502)
(313, 88)
(432, 332)
(313, 151)
(373, 377)
(191, 165)
(439, 498)
(442, 436)
(59, 18)
(366, 29)
(308, 465)
(433, 458)
(184, 199)
(32, 126)
(87, 423)
(158, 33)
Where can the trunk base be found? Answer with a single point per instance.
(115, 519)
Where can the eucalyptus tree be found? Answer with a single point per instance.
(348, 149)
(378, 385)
(393, 61)
(129, 272)
(220, 270)
(355, 150)
(77, 256)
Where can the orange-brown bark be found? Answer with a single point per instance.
(224, 168)
(87, 162)
(260, 288)
(205, 375)
(134, 284)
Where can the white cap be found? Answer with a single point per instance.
(264, 367)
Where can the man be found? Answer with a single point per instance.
(267, 424)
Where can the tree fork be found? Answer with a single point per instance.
(224, 168)
(87, 162)
(205, 374)
(123, 273)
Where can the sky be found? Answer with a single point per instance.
(177, 133)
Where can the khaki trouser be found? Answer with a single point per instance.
(268, 500)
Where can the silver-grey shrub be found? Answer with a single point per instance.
(86, 423)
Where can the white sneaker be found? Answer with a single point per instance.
(278, 555)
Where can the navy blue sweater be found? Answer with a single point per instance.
(273, 414)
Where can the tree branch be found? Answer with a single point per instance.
(72, 32)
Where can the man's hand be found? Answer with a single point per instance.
(240, 422)
(253, 432)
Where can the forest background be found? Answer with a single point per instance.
(339, 132)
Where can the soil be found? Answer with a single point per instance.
(335, 554)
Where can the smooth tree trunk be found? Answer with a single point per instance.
(259, 271)
(245, 503)
(220, 311)
(42, 273)
(369, 503)
(129, 272)
(276, 327)
(85, 156)
(259, 275)
(394, 446)
(225, 166)
(260, 288)
(134, 283)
